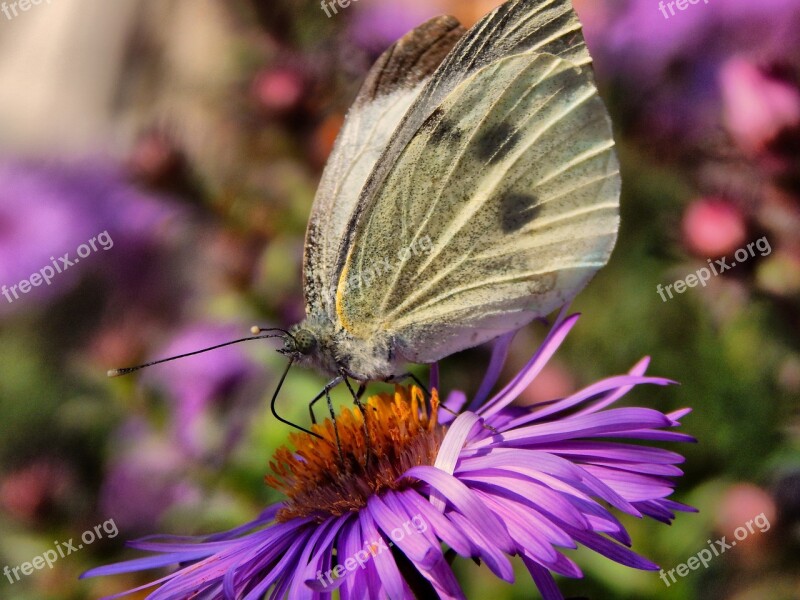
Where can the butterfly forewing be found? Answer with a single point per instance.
(547, 26)
(498, 209)
(391, 86)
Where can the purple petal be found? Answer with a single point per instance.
(466, 502)
(390, 577)
(637, 370)
(450, 450)
(445, 530)
(524, 535)
(615, 552)
(444, 582)
(634, 487)
(433, 377)
(496, 362)
(543, 524)
(601, 520)
(415, 547)
(529, 372)
(455, 402)
(536, 495)
(141, 564)
(543, 580)
(611, 383)
(679, 414)
(654, 435)
(493, 556)
(592, 450)
(353, 584)
(319, 541)
(615, 421)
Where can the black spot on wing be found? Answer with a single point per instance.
(517, 210)
(441, 129)
(497, 142)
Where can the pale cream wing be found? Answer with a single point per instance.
(499, 209)
(545, 26)
(391, 86)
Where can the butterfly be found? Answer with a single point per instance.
(472, 188)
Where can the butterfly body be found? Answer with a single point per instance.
(316, 342)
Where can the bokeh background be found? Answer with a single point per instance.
(194, 132)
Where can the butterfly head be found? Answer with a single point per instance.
(299, 342)
(305, 342)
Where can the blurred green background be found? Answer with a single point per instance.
(193, 133)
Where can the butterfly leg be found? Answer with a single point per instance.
(357, 399)
(329, 386)
(421, 385)
(327, 392)
(275, 398)
(416, 380)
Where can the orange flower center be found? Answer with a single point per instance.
(319, 482)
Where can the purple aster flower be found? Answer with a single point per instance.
(494, 482)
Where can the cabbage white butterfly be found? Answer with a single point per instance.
(472, 188)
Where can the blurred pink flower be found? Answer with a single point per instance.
(667, 69)
(742, 502)
(154, 157)
(756, 107)
(553, 382)
(27, 492)
(278, 90)
(48, 209)
(713, 227)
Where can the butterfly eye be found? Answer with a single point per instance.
(304, 341)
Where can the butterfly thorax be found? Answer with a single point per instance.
(318, 343)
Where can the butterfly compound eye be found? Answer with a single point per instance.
(304, 341)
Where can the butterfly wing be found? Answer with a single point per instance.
(501, 205)
(546, 26)
(391, 86)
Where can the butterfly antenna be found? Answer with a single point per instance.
(255, 330)
(125, 371)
